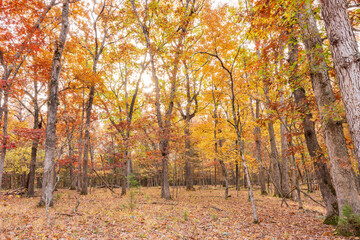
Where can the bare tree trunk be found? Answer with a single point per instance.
(188, 166)
(53, 99)
(81, 143)
(165, 190)
(31, 177)
(72, 174)
(316, 153)
(284, 158)
(34, 147)
(224, 172)
(275, 160)
(84, 186)
(237, 176)
(5, 112)
(257, 134)
(276, 177)
(335, 14)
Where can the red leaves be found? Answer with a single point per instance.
(30, 134)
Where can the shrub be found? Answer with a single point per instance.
(349, 224)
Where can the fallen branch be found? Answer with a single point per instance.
(312, 199)
(18, 191)
(295, 188)
(216, 208)
(74, 210)
(163, 203)
(103, 180)
(112, 186)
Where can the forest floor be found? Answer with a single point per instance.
(201, 214)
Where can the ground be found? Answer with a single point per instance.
(200, 214)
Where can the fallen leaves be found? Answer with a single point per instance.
(193, 215)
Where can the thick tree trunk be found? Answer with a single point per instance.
(346, 57)
(334, 15)
(316, 153)
(284, 157)
(53, 99)
(165, 190)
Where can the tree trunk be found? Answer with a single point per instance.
(34, 147)
(257, 134)
(224, 171)
(341, 171)
(284, 158)
(165, 190)
(275, 160)
(276, 177)
(5, 112)
(5, 137)
(72, 174)
(188, 168)
(316, 153)
(84, 186)
(53, 99)
(237, 176)
(81, 143)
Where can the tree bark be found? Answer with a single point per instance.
(34, 146)
(188, 166)
(284, 155)
(85, 183)
(275, 160)
(53, 100)
(5, 112)
(257, 134)
(276, 177)
(341, 171)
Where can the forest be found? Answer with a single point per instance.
(183, 119)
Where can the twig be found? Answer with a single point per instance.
(105, 183)
(77, 204)
(295, 188)
(163, 203)
(216, 208)
(312, 199)
(74, 210)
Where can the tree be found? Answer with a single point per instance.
(12, 57)
(339, 33)
(53, 99)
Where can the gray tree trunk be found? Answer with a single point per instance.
(276, 177)
(257, 134)
(334, 12)
(53, 99)
(316, 153)
(284, 155)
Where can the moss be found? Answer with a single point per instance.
(349, 224)
(331, 220)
